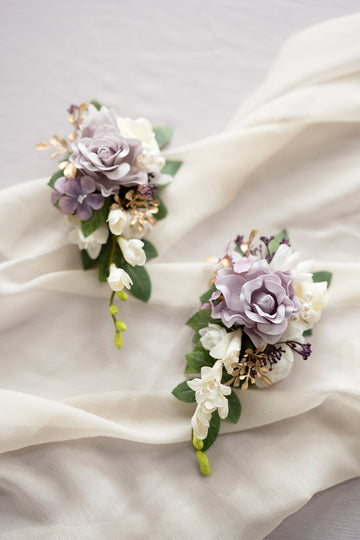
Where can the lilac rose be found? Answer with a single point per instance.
(105, 155)
(261, 300)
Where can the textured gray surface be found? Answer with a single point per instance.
(188, 64)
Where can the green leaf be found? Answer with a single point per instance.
(163, 135)
(198, 345)
(87, 261)
(184, 393)
(275, 243)
(97, 219)
(234, 408)
(308, 332)
(200, 319)
(141, 287)
(213, 431)
(196, 338)
(96, 104)
(54, 177)
(322, 276)
(104, 259)
(150, 250)
(162, 210)
(171, 167)
(196, 360)
(204, 298)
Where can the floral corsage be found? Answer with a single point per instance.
(107, 185)
(255, 320)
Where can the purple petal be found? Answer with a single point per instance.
(95, 201)
(72, 188)
(60, 184)
(55, 196)
(87, 185)
(84, 211)
(67, 205)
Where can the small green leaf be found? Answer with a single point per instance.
(184, 393)
(275, 243)
(204, 298)
(198, 345)
(104, 259)
(87, 261)
(150, 250)
(96, 104)
(234, 408)
(162, 210)
(98, 218)
(196, 360)
(200, 319)
(54, 177)
(213, 431)
(141, 287)
(196, 338)
(171, 167)
(322, 276)
(308, 332)
(163, 135)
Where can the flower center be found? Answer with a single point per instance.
(81, 198)
(266, 302)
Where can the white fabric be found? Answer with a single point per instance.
(288, 159)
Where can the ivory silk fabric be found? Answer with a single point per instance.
(289, 158)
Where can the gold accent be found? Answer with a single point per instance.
(251, 362)
(68, 168)
(140, 206)
(75, 119)
(246, 246)
(59, 145)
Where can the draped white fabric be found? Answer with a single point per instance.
(288, 159)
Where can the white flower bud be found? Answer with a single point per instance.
(133, 251)
(118, 220)
(118, 278)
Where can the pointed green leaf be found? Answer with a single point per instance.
(275, 243)
(204, 298)
(141, 287)
(163, 135)
(196, 338)
(98, 218)
(171, 167)
(213, 431)
(184, 393)
(308, 332)
(322, 276)
(150, 250)
(87, 261)
(54, 177)
(200, 319)
(162, 210)
(196, 360)
(234, 408)
(96, 104)
(104, 259)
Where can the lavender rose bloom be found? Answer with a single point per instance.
(261, 300)
(105, 155)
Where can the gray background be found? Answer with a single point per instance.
(187, 64)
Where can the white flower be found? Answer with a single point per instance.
(222, 345)
(151, 160)
(210, 396)
(281, 369)
(313, 297)
(118, 220)
(118, 278)
(133, 251)
(286, 259)
(91, 243)
(211, 335)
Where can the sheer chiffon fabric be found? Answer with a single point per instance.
(288, 159)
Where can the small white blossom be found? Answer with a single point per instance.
(286, 259)
(118, 219)
(210, 396)
(133, 251)
(91, 243)
(118, 278)
(281, 369)
(222, 345)
(313, 297)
